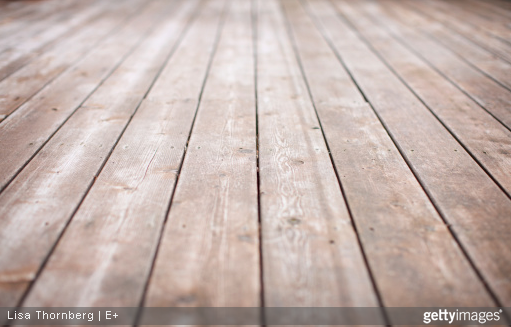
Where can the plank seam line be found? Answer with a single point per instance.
(101, 82)
(440, 43)
(53, 43)
(429, 195)
(455, 30)
(185, 150)
(434, 39)
(96, 45)
(468, 22)
(91, 184)
(455, 84)
(60, 18)
(453, 134)
(255, 35)
(42, 16)
(332, 162)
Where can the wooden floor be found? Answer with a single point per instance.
(255, 153)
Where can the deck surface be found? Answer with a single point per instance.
(255, 153)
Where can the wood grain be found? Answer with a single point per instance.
(496, 46)
(121, 218)
(27, 81)
(27, 129)
(209, 252)
(311, 255)
(213, 153)
(60, 174)
(490, 145)
(485, 91)
(400, 231)
(39, 19)
(23, 51)
(495, 67)
(453, 180)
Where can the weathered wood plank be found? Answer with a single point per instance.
(496, 46)
(489, 94)
(21, 21)
(458, 11)
(485, 10)
(22, 51)
(51, 15)
(122, 234)
(497, 68)
(486, 140)
(400, 230)
(470, 202)
(24, 132)
(311, 256)
(209, 253)
(46, 193)
(23, 84)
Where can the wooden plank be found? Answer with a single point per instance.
(138, 181)
(493, 28)
(209, 252)
(26, 82)
(24, 132)
(311, 256)
(471, 203)
(14, 9)
(493, 66)
(40, 25)
(23, 21)
(489, 145)
(490, 95)
(489, 12)
(400, 230)
(11, 12)
(23, 51)
(48, 190)
(496, 46)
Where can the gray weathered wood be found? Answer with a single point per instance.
(459, 11)
(455, 182)
(484, 60)
(311, 255)
(490, 145)
(16, 23)
(138, 181)
(209, 253)
(400, 230)
(23, 84)
(23, 51)
(496, 46)
(52, 13)
(29, 127)
(489, 94)
(59, 175)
